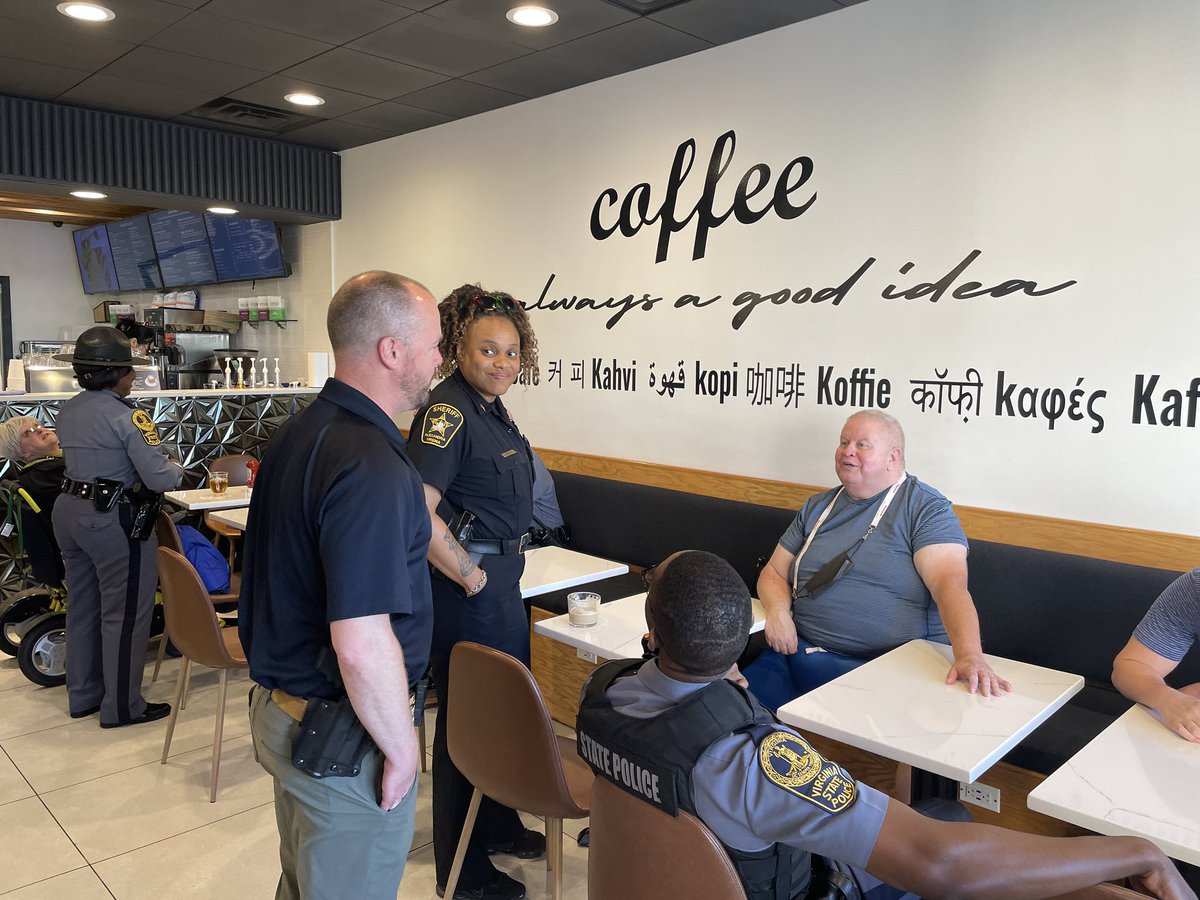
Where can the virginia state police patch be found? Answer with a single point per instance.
(789, 762)
(143, 423)
(442, 423)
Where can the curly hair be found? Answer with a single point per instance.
(462, 307)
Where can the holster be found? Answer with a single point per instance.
(331, 741)
(139, 512)
(106, 494)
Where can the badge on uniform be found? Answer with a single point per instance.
(143, 423)
(442, 423)
(789, 762)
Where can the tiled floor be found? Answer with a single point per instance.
(90, 814)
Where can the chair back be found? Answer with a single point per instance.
(167, 533)
(191, 620)
(234, 466)
(500, 736)
(638, 852)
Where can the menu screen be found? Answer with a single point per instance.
(181, 241)
(133, 254)
(95, 260)
(244, 249)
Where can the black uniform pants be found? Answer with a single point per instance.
(495, 617)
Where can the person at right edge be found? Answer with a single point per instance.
(478, 475)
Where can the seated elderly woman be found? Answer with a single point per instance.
(32, 445)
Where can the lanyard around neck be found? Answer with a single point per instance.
(883, 508)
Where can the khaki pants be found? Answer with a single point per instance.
(334, 840)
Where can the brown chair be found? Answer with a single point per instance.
(235, 466)
(200, 638)
(638, 852)
(500, 736)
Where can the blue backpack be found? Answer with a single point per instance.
(207, 559)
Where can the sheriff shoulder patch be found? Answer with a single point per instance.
(790, 763)
(143, 423)
(442, 423)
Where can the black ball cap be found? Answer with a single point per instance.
(103, 346)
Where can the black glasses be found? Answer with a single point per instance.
(646, 572)
(488, 302)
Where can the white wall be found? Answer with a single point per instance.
(46, 292)
(1058, 139)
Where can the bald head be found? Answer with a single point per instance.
(370, 306)
(888, 425)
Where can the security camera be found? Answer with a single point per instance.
(58, 224)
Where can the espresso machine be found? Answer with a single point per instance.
(190, 354)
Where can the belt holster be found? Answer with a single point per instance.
(139, 512)
(331, 741)
(106, 494)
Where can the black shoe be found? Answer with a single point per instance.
(152, 713)
(528, 845)
(84, 713)
(500, 887)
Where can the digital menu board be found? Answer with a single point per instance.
(94, 256)
(244, 249)
(133, 255)
(181, 242)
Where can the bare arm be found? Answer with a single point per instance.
(944, 859)
(775, 592)
(445, 553)
(372, 666)
(1139, 673)
(943, 568)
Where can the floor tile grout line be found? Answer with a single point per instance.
(22, 887)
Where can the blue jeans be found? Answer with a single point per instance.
(776, 678)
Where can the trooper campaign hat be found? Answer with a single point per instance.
(103, 346)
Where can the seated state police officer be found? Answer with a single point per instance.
(704, 744)
(104, 522)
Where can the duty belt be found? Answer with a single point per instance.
(498, 548)
(85, 489)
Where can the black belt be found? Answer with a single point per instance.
(498, 548)
(85, 489)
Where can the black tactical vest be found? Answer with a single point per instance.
(653, 759)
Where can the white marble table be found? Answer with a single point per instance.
(234, 518)
(898, 706)
(203, 498)
(554, 568)
(619, 632)
(1136, 778)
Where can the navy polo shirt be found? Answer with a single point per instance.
(337, 529)
(471, 451)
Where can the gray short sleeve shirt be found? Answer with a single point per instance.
(1172, 625)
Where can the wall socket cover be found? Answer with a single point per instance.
(980, 794)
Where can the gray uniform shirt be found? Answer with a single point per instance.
(103, 436)
(741, 804)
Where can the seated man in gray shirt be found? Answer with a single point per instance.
(687, 737)
(1169, 629)
(864, 568)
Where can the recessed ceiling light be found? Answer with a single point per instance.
(88, 12)
(532, 16)
(222, 210)
(303, 98)
(88, 195)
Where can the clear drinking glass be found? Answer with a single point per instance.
(218, 482)
(583, 609)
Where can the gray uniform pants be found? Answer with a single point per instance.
(334, 840)
(110, 600)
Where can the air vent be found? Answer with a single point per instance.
(228, 111)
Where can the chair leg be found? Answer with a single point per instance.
(461, 853)
(162, 650)
(183, 667)
(187, 684)
(554, 856)
(217, 733)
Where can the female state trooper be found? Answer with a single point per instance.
(478, 477)
(104, 522)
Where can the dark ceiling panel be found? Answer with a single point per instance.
(37, 80)
(633, 45)
(136, 21)
(128, 96)
(537, 75)
(447, 47)
(362, 73)
(576, 18)
(154, 66)
(270, 92)
(720, 21)
(333, 21)
(395, 118)
(335, 134)
(459, 98)
(53, 45)
(219, 38)
(415, 5)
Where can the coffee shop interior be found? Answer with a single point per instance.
(733, 223)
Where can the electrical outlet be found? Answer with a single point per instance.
(586, 655)
(980, 794)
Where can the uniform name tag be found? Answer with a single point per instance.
(507, 453)
(442, 423)
(789, 762)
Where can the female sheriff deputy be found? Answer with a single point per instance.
(104, 522)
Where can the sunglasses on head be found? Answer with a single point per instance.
(488, 302)
(647, 572)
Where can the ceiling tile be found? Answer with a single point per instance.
(270, 92)
(630, 46)
(362, 73)
(536, 75)
(721, 22)
(576, 18)
(452, 48)
(460, 98)
(417, 5)
(211, 37)
(207, 76)
(333, 22)
(136, 20)
(54, 45)
(395, 118)
(138, 97)
(334, 134)
(38, 81)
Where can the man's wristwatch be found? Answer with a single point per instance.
(479, 587)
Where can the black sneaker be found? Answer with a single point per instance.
(500, 887)
(528, 845)
(152, 713)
